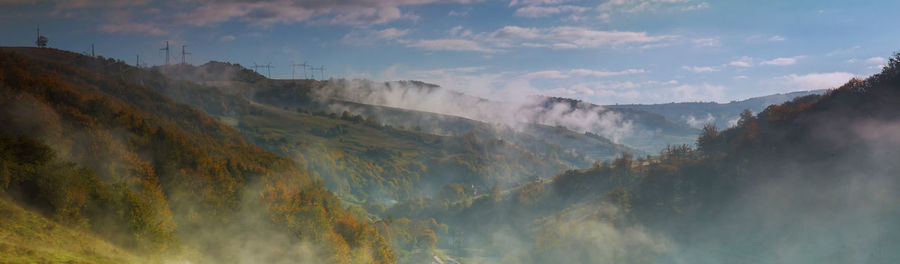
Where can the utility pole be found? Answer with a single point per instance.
(167, 52)
(269, 70)
(183, 53)
(137, 60)
(92, 50)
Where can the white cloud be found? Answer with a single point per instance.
(459, 31)
(703, 5)
(741, 77)
(227, 38)
(555, 74)
(876, 60)
(742, 62)
(638, 6)
(264, 13)
(545, 11)
(670, 82)
(706, 42)
(783, 61)
(461, 13)
(814, 81)
(537, 2)
(698, 69)
(563, 37)
(574, 37)
(777, 38)
(391, 33)
(369, 37)
(697, 93)
(132, 28)
(451, 45)
(843, 51)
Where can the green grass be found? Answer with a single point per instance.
(27, 237)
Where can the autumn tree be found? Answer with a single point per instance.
(705, 142)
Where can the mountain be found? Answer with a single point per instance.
(696, 114)
(215, 164)
(812, 180)
(398, 104)
(365, 154)
(85, 147)
(437, 110)
(644, 130)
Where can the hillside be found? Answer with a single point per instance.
(207, 181)
(120, 160)
(812, 180)
(152, 167)
(696, 114)
(28, 237)
(365, 157)
(413, 104)
(647, 131)
(377, 103)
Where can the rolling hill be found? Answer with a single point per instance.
(812, 180)
(120, 161)
(725, 115)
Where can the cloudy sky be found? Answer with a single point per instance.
(617, 51)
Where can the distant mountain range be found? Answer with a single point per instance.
(696, 114)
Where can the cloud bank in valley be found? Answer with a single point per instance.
(514, 113)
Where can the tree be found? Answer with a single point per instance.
(746, 116)
(705, 141)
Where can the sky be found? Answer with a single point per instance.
(604, 52)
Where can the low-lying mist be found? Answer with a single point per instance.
(514, 113)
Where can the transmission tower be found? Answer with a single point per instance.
(321, 70)
(183, 53)
(167, 52)
(304, 65)
(41, 41)
(268, 68)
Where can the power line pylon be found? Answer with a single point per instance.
(183, 53)
(304, 65)
(167, 52)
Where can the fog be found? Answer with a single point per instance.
(514, 113)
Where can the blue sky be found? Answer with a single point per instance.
(606, 52)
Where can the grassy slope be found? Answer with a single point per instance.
(208, 157)
(27, 237)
